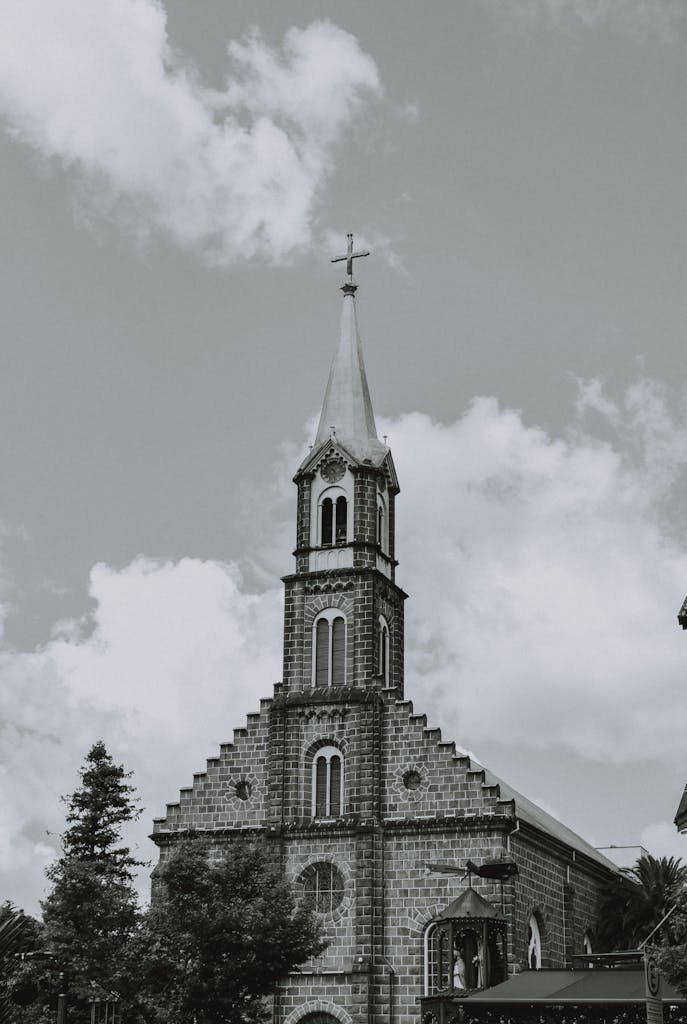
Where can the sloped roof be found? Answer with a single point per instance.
(470, 904)
(537, 817)
(602, 985)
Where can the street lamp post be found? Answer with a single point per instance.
(61, 1002)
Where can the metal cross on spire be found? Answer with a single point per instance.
(350, 286)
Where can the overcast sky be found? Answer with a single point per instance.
(175, 178)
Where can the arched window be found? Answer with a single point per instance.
(341, 519)
(333, 520)
(329, 643)
(587, 944)
(327, 783)
(381, 523)
(327, 530)
(383, 660)
(533, 944)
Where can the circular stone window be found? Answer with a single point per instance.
(242, 789)
(323, 886)
(412, 779)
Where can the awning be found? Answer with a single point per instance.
(597, 985)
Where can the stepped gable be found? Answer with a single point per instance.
(425, 775)
(453, 783)
(232, 791)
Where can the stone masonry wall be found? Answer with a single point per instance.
(213, 800)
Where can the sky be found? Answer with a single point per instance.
(175, 180)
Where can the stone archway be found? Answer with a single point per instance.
(318, 1011)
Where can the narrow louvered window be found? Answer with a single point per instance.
(322, 653)
(338, 651)
(327, 521)
(321, 788)
(335, 787)
(384, 654)
(341, 520)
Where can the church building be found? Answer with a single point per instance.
(432, 876)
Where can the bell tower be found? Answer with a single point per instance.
(343, 625)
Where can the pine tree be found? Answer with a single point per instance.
(91, 913)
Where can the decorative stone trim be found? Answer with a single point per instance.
(410, 794)
(255, 789)
(319, 1006)
(349, 884)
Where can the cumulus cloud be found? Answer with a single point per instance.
(170, 661)
(234, 171)
(545, 575)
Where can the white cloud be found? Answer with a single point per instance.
(235, 172)
(172, 659)
(545, 578)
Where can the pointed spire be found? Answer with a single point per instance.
(347, 409)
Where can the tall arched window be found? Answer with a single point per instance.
(327, 783)
(381, 523)
(587, 946)
(329, 644)
(533, 944)
(341, 519)
(383, 650)
(327, 529)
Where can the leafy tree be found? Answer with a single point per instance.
(91, 912)
(672, 955)
(634, 903)
(223, 929)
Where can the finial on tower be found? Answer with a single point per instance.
(349, 288)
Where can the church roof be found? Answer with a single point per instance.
(470, 904)
(540, 819)
(347, 407)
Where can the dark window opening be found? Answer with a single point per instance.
(338, 651)
(341, 520)
(321, 788)
(327, 521)
(322, 653)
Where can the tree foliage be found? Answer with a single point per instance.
(223, 929)
(634, 903)
(91, 912)
(20, 936)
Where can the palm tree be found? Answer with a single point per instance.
(13, 934)
(635, 902)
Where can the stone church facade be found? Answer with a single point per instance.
(375, 816)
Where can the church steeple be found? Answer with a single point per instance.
(347, 409)
(343, 616)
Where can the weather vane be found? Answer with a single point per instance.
(350, 286)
